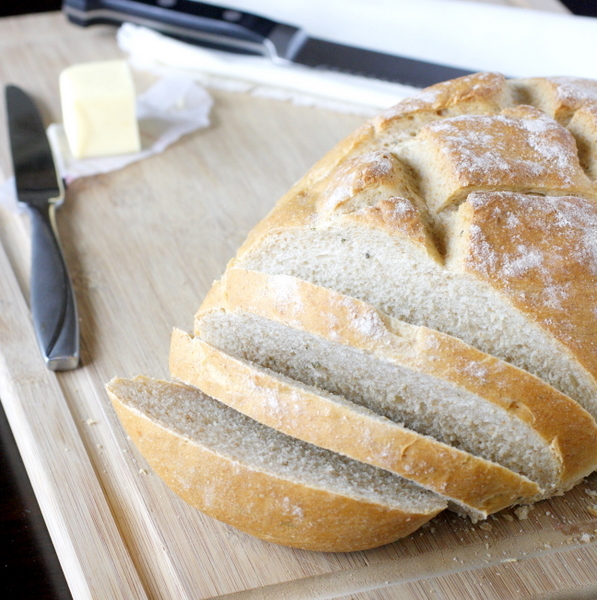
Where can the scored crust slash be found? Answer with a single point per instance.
(411, 328)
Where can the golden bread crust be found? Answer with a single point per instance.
(540, 252)
(559, 97)
(478, 92)
(520, 149)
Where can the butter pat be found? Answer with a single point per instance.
(98, 109)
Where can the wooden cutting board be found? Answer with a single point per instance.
(143, 245)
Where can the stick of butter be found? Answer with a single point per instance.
(98, 109)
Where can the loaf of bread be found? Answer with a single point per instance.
(422, 304)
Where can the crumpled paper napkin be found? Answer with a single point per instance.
(172, 107)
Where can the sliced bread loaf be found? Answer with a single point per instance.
(473, 485)
(465, 210)
(425, 294)
(261, 481)
(431, 382)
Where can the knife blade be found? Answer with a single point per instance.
(241, 32)
(41, 191)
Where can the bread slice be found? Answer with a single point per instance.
(464, 210)
(261, 481)
(473, 485)
(430, 382)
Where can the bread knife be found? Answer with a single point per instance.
(241, 32)
(41, 190)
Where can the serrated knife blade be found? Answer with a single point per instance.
(41, 190)
(235, 31)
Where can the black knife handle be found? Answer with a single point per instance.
(52, 299)
(204, 24)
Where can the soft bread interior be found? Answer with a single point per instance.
(473, 485)
(201, 420)
(420, 402)
(368, 264)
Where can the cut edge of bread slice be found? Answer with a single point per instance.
(473, 485)
(261, 481)
(356, 256)
(431, 382)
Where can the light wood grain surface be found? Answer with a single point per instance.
(143, 245)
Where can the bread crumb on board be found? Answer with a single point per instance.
(522, 512)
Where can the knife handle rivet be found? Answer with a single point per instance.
(232, 15)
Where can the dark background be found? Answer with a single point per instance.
(579, 7)
(29, 568)
(582, 7)
(17, 8)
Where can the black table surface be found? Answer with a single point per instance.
(29, 567)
